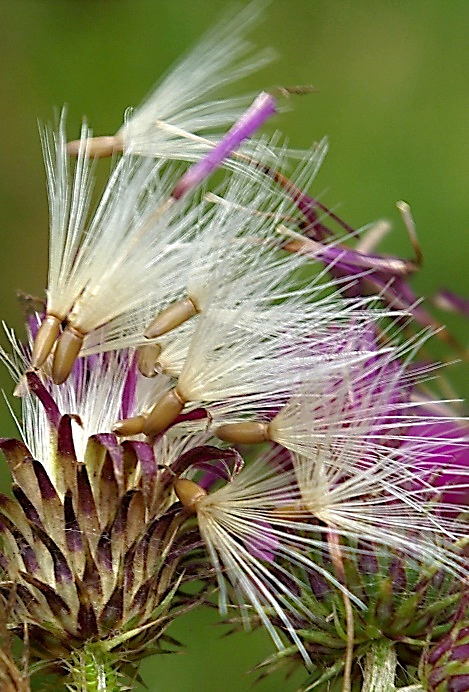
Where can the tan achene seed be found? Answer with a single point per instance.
(248, 432)
(174, 315)
(164, 412)
(129, 426)
(66, 352)
(147, 357)
(45, 339)
(189, 493)
(97, 147)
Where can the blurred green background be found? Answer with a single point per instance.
(393, 99)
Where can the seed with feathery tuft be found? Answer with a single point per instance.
(66, 352)
(45, 339)
(189, 493)
(170, 318)
(77, 311)
(248, 432)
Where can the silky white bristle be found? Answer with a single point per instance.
(177, 120)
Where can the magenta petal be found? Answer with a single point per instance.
(65, 437)
(50, 407)
(262, 108)
(130, 387)
(315, 229)
(444, 464)
(195, 414)
(458, 683)
(263, 546)
(383, 275)
(146, 458)
(352, 261)
(46, 487)
(451, 301)
(110, 442)
(221, 464)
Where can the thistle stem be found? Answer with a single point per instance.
(380, 667)
(92, 670)
(336, 557)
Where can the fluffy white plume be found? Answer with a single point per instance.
(130, 255)
(176, 120)
(101, 389)
(269, 517)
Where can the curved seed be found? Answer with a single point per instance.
(66, 353)
(147, 356)
(164, 413)
(189, 493)
(45, 339)
(170, 318)
(248, 432)
(129, 426)
(97, 147)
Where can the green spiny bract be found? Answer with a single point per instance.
(405, 607)
(100, 562)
